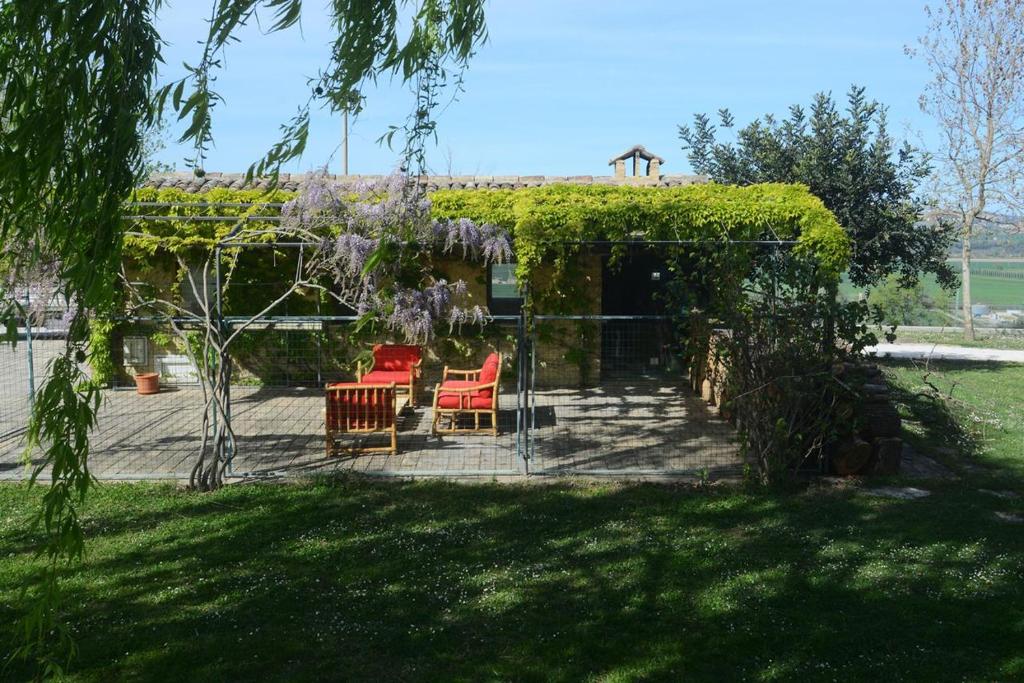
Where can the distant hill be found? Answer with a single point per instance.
(1001, 238)
(993, 244)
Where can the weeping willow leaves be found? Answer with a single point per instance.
(424, 43)
(75, 93)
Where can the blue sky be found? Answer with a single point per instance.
(562, 86)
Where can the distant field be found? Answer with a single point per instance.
(993, 282)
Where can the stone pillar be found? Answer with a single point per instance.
(620, 168)
(654, 169)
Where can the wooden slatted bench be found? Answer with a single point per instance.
(361, 409)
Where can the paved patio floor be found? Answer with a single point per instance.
(621, 430)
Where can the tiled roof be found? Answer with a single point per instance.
(292, 181)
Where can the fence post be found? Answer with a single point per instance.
(522, 393)
(530, 453)
(31, 361)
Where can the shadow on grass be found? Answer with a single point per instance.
(938, 419)
(940, 423)
(350, 580)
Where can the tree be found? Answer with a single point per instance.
(76, 80)
(914, 305)
(154, 141)
(975, 50)
(851, 163)
(76, 95)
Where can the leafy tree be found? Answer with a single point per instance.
(848, 160)
(76, 95)
(913, 305)
(154, 141)
(76, 81)
(975, 50)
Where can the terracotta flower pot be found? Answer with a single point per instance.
(147, 383)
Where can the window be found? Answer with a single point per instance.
(503, 297)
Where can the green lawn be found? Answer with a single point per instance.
(985, 420)
(349, 580)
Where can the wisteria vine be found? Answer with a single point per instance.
(372, 239)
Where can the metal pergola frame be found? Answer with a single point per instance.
(526, 358)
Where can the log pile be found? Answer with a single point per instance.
(876, 446)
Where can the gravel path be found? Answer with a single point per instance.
(945, 352)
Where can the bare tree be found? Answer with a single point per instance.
(975, 50)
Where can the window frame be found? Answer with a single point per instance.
(502, 305)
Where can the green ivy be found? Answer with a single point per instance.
(548, 225)
(101, 358)
(545, 222)
(146, 237)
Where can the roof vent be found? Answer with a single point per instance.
(638, 153)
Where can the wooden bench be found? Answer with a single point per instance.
(398, 363)
(360, 409)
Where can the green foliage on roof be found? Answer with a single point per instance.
(177, 236)
(542, 219)
(545, 221)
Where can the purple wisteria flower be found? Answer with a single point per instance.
(377, 237)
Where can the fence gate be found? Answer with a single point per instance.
(609, 396)
(17, 389)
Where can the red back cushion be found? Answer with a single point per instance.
(359, 408)
(395, 356)
(489, 372)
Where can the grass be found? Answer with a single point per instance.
(355, 580)
(978, 426)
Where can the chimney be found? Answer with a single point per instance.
(637, 153)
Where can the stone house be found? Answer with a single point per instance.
(576, 351)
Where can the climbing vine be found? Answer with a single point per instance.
(550, 224)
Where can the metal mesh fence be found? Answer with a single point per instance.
(15, 400)
(616, 401)
(22, 364)
(577, 395)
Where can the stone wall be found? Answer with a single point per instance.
(568, 352)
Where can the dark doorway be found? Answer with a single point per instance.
(633, 285)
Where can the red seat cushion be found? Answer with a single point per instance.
(400, 377)
(395, 357)
(479, 400)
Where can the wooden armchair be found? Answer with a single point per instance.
(474, 393)
(354, 408)
(398, 363)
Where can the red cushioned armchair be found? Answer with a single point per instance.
(474, 393)
(398, 363)
(354, 408)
